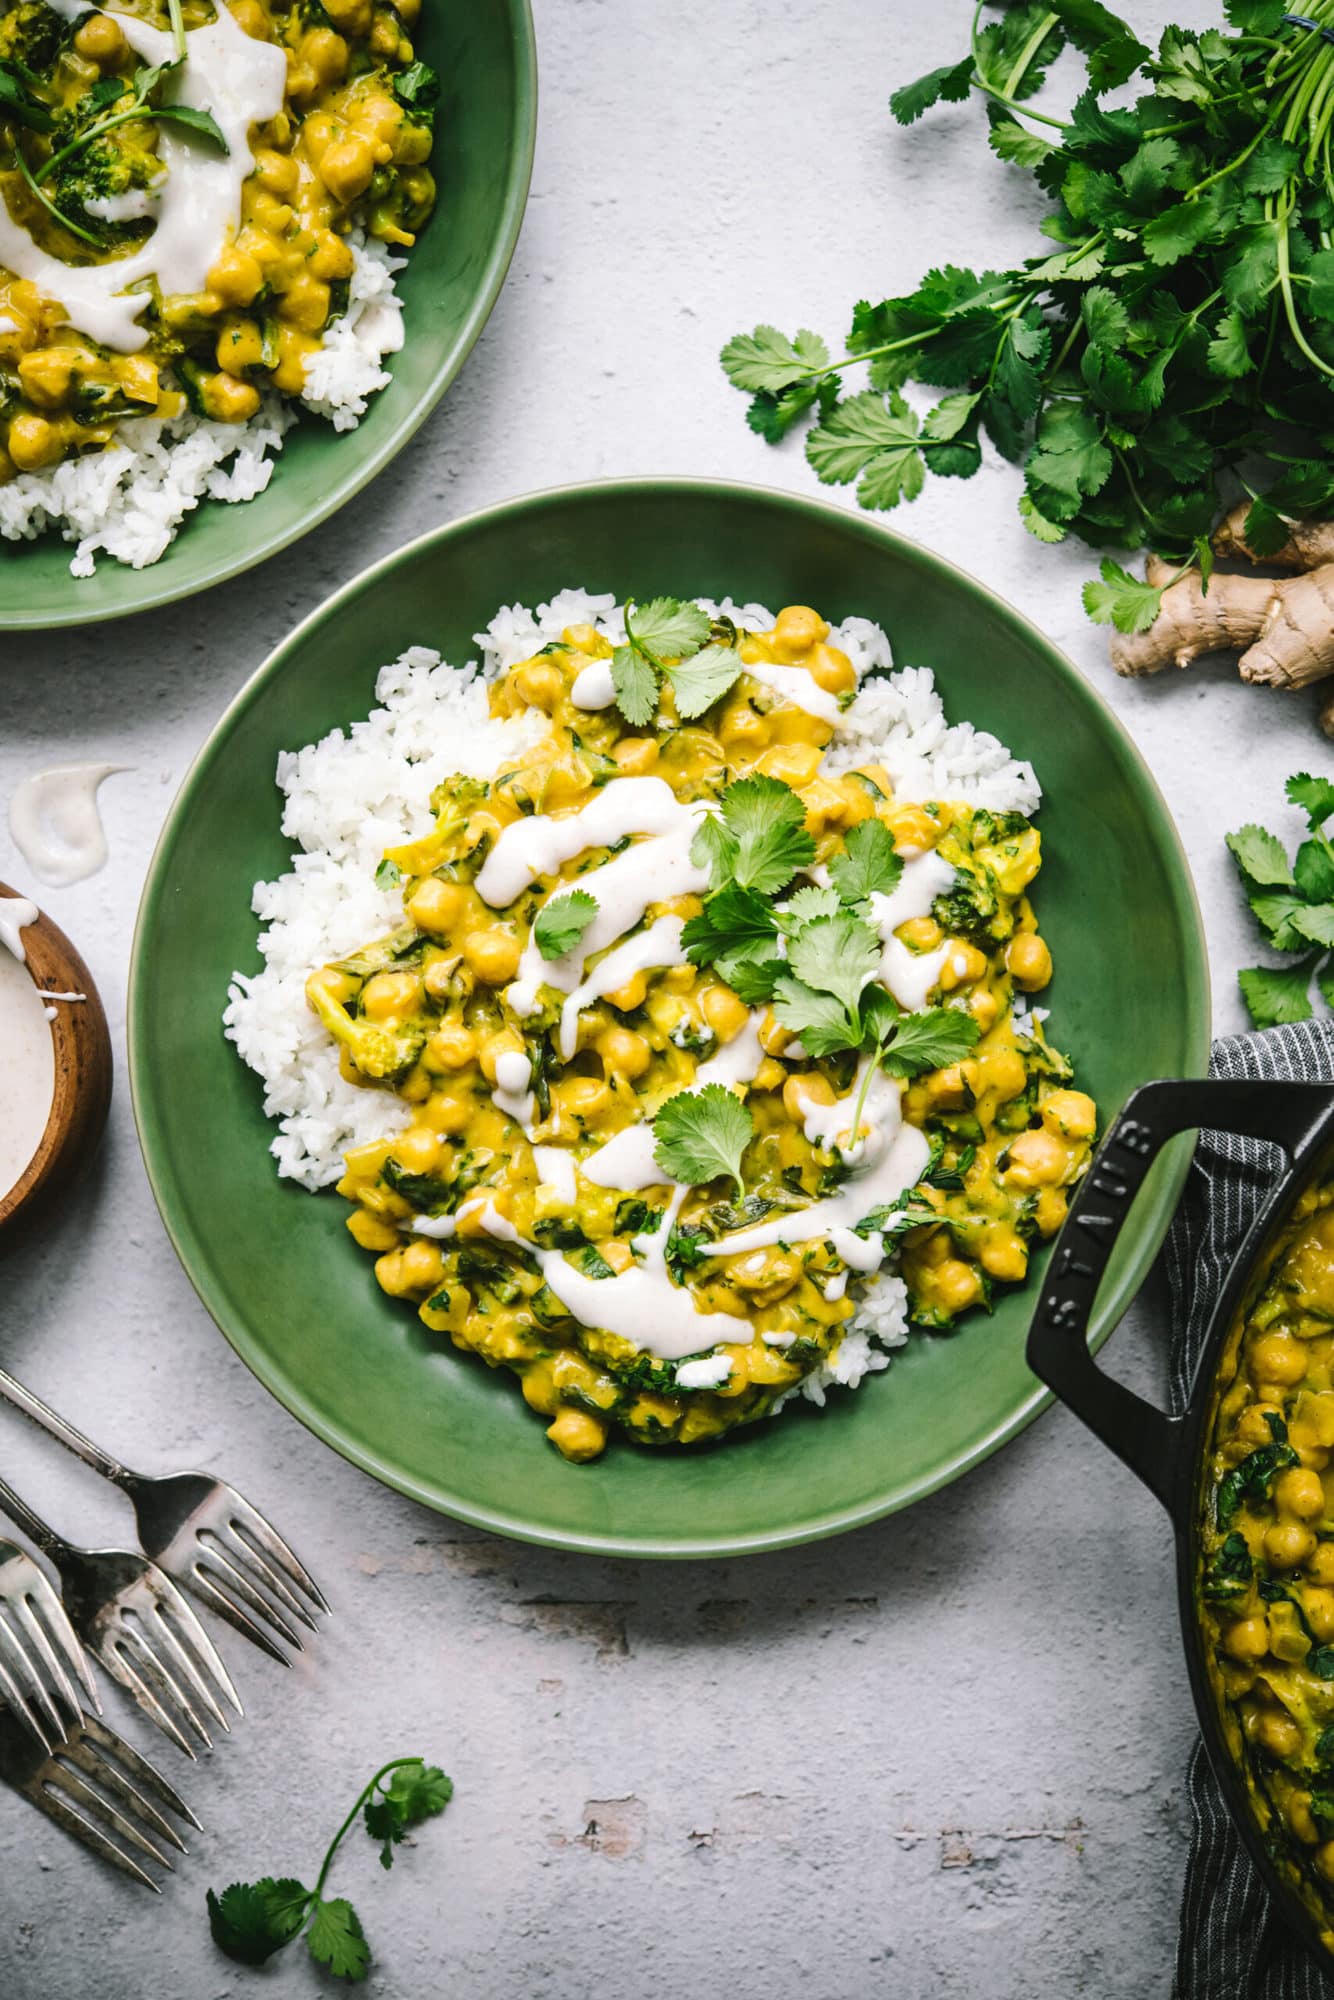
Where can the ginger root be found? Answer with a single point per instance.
(1283, 627)
(1309, 543)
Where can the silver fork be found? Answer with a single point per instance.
(97, 1787)
(40, 1658)
(201, 1532)
(134, 1620)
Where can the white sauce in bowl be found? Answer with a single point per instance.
(27, 1052)
(242, 82)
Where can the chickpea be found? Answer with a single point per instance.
(796, 629)
(250, 18)
(1253, 1424)
(387, 996)
(739, 727)
(305, 303)
(449, 1112)
(294, 348)
(347, 166)
(1070, 1114)
(964, 966)
(1003, 1074)
(914, 829)
(1320, 1566)
(1278, 1733)
(578, 1435)
(227, 399)
(100, 40)
(493, 955)
(803, 1091)
(984, 1007)
(1319, 1608)
(327, 53)
(920, 934)
(539, 1389)
(507, 1043)
(372, 1232)
(331, 259)
(636, 755)
(1299, 1818)
(541, 684)
(1028, 962)
(947, 1090)
(624, 1053)
(1036, 1159)
(138, 377)
(436, 905)
(1288, 1544)
(794, 763)
(831, 669)
(240, 345)
(278, 172)
(1324, 1860)
(49, 374)
(418, 1150)
(32, 442)
(631, 995)
(956, 1284)
(1277, 1357)
(235, 277)
(1299, 1491)
(1050, 1210)
(724, 1012)
(582, 1097)
(1247, 1639)
(1003, 1255)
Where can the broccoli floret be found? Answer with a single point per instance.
(380, 1052)
(31, 34)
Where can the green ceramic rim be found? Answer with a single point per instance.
(1156, 1203)
(451, 283)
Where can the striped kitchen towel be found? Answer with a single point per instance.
(1233, 1945)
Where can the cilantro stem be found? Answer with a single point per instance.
(94, 131)
(1027, 53)
(367, 1791)
(73, 227)
(177, 27)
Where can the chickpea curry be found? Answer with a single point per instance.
(1267, 1563)
(177, 189)
(694, 1034)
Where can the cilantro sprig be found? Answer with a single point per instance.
(562, 922)
(701, 1135)
(250, 1921)
(1173, 333)
(671, 637)
(1293, 903)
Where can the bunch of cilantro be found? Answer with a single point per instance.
(814, 957)
(250, 1921)
(1293, 903)
(1170, 347)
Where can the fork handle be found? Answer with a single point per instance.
(49, 1420)
(32, 1525)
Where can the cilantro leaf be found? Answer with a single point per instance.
(949, 85)
(1261, 857)
(667, 627)
(336, 1939)
(759, 841)
(875, 436)
(1275, 994)
(1121, 599)
(823, 1022)
(768, 362)
(1314, 796)
(1275, 910)
(805, 904)
(835, 955)
(1011, 141)
(561, 922)
(1113, 53)
(416, 1791)
(252, 1920)
(1313, 871)
(869, 866)
(636, 683)
(733, 919)
(702, 679)
(701, 1135)
(1315, 922)
(932, 1039)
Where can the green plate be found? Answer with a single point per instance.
(484, 52)
(275, 1266)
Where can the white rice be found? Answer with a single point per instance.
(129, 500)
(356, 792)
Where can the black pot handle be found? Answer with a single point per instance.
(1288, 1114)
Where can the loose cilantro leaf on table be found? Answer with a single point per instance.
(700, 1135)
(1293, 903)
(562, 922)
(250, 1921)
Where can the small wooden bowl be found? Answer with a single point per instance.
(82, 1093)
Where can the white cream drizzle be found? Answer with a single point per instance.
(910, 975)
(243, 83)
(737, 1061)
(626, 1162)
(542, 843)
(511, 1094)
(794, 684)
(55, 823)
(555, 1169)
(659, 945)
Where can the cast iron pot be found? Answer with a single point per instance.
(1167, 1452)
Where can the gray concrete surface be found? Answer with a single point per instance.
(942, 1756)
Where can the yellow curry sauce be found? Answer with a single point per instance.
(347, 141)
(494, 1209)
(1267, 1573)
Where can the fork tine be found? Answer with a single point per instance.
(190, 1629)
(93, 1761)
(270, 1543)
(74, 1822)
(58, 1630)
(181, 1667)
(214, 1556)
(124, 1656)
(150, 1779)
(26, 1612)
(40, 1698)
(20, 1707)
(203, 1586)
(245, 1557)
(93, 1801)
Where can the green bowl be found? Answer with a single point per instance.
(483, 158)
(275, 1266)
